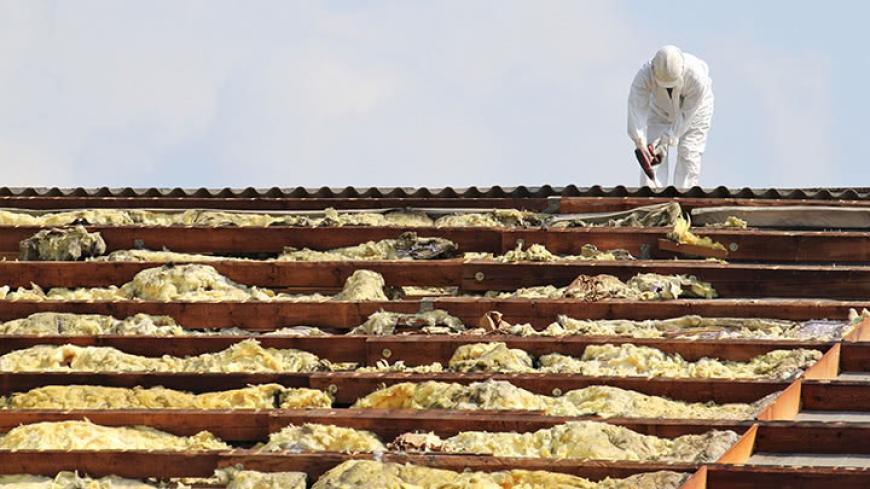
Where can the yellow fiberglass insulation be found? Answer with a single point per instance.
(370, 474)
(71, 480)
(196, 283)
(159, 256)
(84, 435)
(267, 396)
(682, 234)
(610, 360)
(245, 356)
(589, 440)
(490, 357)
(632, 360)
(691, 327)
(363, 285)
(68, 324)
(539, 253)
(62, 244)
(603, 401)
(492, 218)
(318, 437)
(642, 287)
(251, 479)
(386, 323)
(730, 222)
(408, 246)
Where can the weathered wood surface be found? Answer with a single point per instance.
(316, 464)
(195, 382)
(825, 395)
(762, 477)
(228, 425)
(123, 463)
(265, 316)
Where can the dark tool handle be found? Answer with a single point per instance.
(644, 164)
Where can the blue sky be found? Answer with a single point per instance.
(414, 93)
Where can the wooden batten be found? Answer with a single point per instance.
(316, 464)
(268, 316)
(229, 425)
(123, 463)
(827, 368)
(194, 382)
(855, 357)
(824, 395)
(742, 450)
(813, 437)
(786, 405)
(772, 477)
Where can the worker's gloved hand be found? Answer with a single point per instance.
(644, 149)
(660, 148)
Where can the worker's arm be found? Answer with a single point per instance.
(696, 88)
(638, 105)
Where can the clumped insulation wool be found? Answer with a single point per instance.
(266, 396)
(641, 287)
(62, 244)
(312, 437)
(656, 215)
(573, 440)
(370, 474)
(406, 247)
(692, 326)
(615, 361)
(71, 480)
(381, 250)
(539, 253)
(682, 234)
(252, 479)
(603, 401)
(196, 283)
(208, 218)
(84, 435)
(584, 440)
(431, 322)
(245, 356)
(631, 360)
(68, 324)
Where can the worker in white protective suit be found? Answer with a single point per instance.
(670, 105)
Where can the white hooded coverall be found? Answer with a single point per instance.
(681, 119)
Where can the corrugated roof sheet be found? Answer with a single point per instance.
(859, 193)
